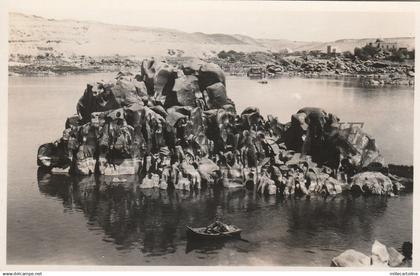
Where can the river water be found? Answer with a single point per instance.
(57, 219)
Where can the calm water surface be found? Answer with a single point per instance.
(55, 219)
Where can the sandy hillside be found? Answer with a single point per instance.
(35, 35)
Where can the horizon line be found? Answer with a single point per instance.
(177, 30)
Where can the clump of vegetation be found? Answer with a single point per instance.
(231, 55)
(401, 55)
(367, 52)
(373, 52)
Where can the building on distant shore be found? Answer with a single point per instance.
(285, 51)
(331, 51)
(379, 43)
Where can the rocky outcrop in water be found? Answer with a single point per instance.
(176, 127)
(369, 73)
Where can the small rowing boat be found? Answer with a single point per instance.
(263, 81)
(201, 233)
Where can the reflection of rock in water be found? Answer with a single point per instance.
(153, 221)
(319, 219)
(150, 219)
(57, 185)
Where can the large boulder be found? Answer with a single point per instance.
(73, 122)
(380, 254)
(118, 140)
(326, 183)
(205, 146)
(53, 155)
(125, 92)
(193, 175)
(381, 257)
(218, 124)
(197, 120)
(125, 135)
(163, 80)
(373, 183)
(317, 133)
(210, 73)
(174, 116)
(208, 170)
(316, 119)
(351, 258)
(395, 257)
(97, 97)
(251, 116)
(183, 92)
(85, 161)
(316, 112)
(276, 128)
(407, 250)
(127, 166)
(217, 97)
(266, 185)
(232, 177)
(294, 135)
(140, 88)
(365, 147)
(147, 73)
(191, 67)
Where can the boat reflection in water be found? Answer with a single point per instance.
(280, 231)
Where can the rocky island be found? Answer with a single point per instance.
(176, 128)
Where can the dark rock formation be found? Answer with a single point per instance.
(175, 126)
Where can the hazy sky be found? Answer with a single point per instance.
(294, 21)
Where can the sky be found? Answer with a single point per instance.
(263, 19)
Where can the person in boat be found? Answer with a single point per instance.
(217, 227)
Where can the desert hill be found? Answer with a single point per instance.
(33, 35)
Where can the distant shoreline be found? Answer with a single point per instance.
(391, 75)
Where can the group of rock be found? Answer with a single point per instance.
(371, 73)
(340, 65)
(381, 256)
(175, 127)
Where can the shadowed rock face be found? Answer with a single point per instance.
(210, 73)
(163, 121)
(217, 95)
(147, 74)
(316, 133)
(163, 80)
(96, 98)
(183, 92)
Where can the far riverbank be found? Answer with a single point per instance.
(367, 73)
